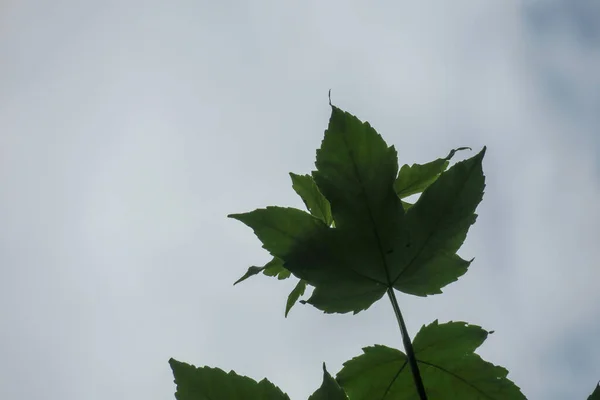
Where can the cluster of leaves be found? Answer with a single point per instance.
(360, 239)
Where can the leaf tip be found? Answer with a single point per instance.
(173, 363)
(454, 151)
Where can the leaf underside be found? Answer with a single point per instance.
(360, 238)
(206, 383)
(294, 295)
(414, 179)
(319, 207)
(329, 390)
(448, 364)
(272, 268)
(596, 394)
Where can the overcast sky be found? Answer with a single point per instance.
(130, 129)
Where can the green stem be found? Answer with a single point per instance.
(410, 353)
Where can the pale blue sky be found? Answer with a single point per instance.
(130, 129)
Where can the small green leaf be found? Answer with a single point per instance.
(314, 200)
(253, 270)
(272, 268)
(207, 383)
(447, 362)
(295, 294)
(596, 394)
(275, 268)
(329, 390)
(415, 178)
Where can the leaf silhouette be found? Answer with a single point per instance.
(374, 244)
(596, 394)
(272, 268)
(449, 367)
(294, 295)
(329, 390)
(213, 383)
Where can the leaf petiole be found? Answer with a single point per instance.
(408, 348)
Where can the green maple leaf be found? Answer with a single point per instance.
(596, 394)
(208, 383)
(373, 243)
(329, 390)
(448, 364)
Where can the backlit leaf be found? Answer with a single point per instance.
(275, 268)
(376, 241)
(316, 253)
(449, 368)
(315, 202)
(356, 171)
(294, 295)
(272, 268)
(329, 390)
(253, 270)
(596, 394)
(413, 179)
(207, 383)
